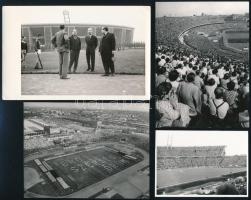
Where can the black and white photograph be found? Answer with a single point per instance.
(86, 150)
(201, 163)
(77, 51)
(202, 64)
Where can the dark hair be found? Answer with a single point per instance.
(38, 35)
(163, 89)
(210, 82)
(22, 37)
(167, 60)
(190, 77)
(234, 73)
(162, 70)
(215, 71)
(179, 66)
(105, 28)
(197, 72)
(173, 75)
(195, 68)
(231, 85)
(226, 76)
(218, 92)
(61, 26)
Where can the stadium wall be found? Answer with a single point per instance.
(123, 35)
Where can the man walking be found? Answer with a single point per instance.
(91, 45)
(107, 50)
(75, 46)
(61, 42)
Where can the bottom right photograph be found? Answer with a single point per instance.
(204, 163)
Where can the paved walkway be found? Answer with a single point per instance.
(82, 84)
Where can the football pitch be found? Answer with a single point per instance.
(81, 169)
(170, 177)
(130, 61)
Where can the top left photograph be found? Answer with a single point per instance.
(76, 52)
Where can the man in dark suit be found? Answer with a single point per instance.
(107, 50)
(75, 46)
(91, 45)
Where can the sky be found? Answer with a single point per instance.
(236, 142)
(191, 8)
(144, 107)
(136, 17)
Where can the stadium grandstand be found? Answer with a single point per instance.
(199, 170)
(202, 71)
(123, 35)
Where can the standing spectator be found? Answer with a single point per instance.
(91, 45)
(37, 48)
(107, 50)
(24, 50)
(61, 42)
(75, 46)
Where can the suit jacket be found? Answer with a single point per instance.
(59, 41)
(91, 42)
(75, 44)
(107, 44)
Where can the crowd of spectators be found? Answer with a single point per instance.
(231, 186)
(196, 88)
(194, 91)
(185, 157)
(191, 151)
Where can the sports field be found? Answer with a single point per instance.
(237, 39)
(80, 169)
(170, 177)
(131, 61)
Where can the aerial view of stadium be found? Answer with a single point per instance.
(213, 164)
(202, 64)
(86, 151)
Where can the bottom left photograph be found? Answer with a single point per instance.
(86, 150)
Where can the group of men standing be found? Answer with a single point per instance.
(72, 45)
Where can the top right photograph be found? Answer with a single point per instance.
(202, 65)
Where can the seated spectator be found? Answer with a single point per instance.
(161, 76)
(172, 113)
(210, 87)
(218, 107)
(244, 114)
(173, 79)
(190, 94)
(225, 81)
(231, 96)
(198, 81)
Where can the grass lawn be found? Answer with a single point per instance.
(127, 61)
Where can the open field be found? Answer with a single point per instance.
(82, 84)
(236, 39)
(131, 61)
(78, 170)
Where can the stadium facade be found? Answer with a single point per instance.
(123, 35)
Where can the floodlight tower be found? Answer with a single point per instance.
(66, 14)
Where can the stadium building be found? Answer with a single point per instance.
(123, 35)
